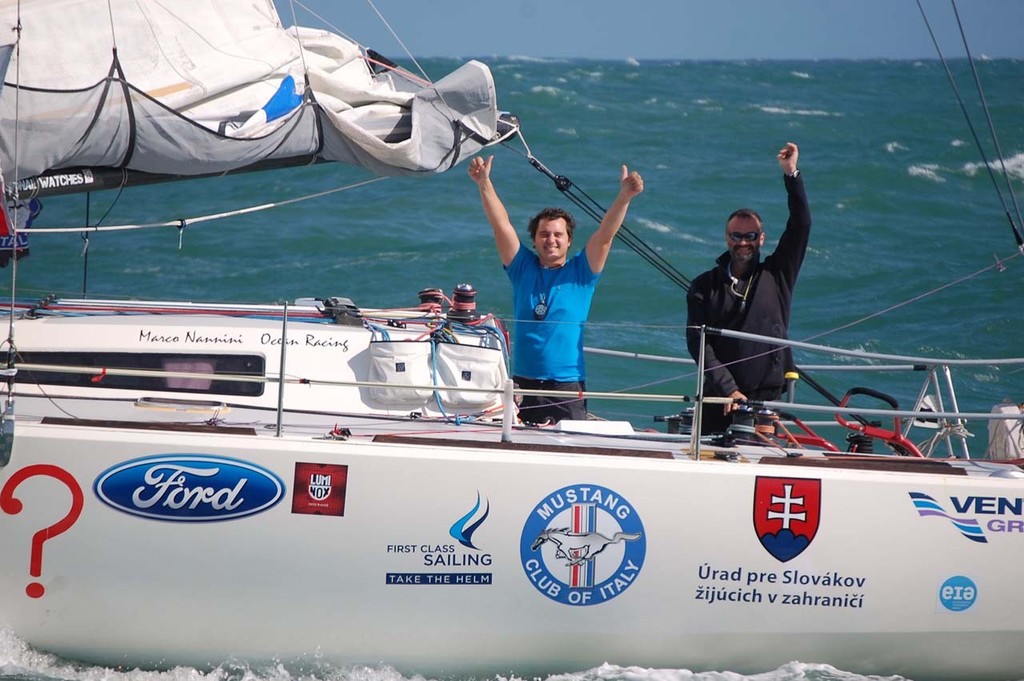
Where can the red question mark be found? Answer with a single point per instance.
(13, 506)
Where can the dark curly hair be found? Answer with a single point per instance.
(552, 214)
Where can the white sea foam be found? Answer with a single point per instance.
(800, 74)
(655, 226)
(20, 661)
(546, 89)
(927, 170)
(892, 147)
(538, 60)
(1014, 166)
(786, 111)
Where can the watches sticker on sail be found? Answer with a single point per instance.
(583, 545)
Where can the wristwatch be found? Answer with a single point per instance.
(795, 173)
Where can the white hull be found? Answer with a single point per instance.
(274, 561)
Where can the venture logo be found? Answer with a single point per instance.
(188, 488)
(997, 515)
(927, 506)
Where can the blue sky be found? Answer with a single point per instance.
(671, 29)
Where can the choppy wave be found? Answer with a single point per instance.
(787, 111)
(19, 662)
(1014, 166)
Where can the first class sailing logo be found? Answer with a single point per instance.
(786, 514)
(430, 563)
(583, 545)
(189, 488)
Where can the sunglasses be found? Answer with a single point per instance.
(744, 236)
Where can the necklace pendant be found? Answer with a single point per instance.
(540, 310)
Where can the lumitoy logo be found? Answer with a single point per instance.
(189, 488)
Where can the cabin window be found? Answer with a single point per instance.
(243, 365)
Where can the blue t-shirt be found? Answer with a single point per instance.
(551, 349)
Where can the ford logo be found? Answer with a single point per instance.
(189, 488)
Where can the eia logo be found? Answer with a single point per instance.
(583, 545)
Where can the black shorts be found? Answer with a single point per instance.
(538, 409)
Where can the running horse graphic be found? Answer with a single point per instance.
(577, 548)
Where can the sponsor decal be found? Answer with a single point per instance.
(189, 488)
(974, 515)
(462, 529)
(460, 567)
(801, 588)
(319, 489)
(927, 506)
(958, 593)
(583, 545)
(60, 180)
(10, 503)
(786, 514)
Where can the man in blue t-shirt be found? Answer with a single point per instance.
(551, 293)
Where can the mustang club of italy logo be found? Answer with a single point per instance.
(583, 545)
(786, 514)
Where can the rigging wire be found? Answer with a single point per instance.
(209, 217)
(16, 50)
(596, 211)
(988, 119)
(405, 49)
(963, 108)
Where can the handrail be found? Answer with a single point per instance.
(808, 367)
(928, 361)
(642, 397)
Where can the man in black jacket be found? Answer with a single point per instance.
(744, 293)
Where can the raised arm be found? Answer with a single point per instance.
(600, 243)
(505, 237)
(792, 246)
(788, 156)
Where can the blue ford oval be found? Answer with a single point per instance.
(189, 488)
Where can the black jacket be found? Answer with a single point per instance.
(754, 368)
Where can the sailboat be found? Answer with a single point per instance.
(190, 483)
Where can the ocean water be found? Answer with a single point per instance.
(911, 252)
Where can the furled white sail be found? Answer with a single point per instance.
(158, 88)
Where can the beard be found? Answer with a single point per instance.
(746, 258)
